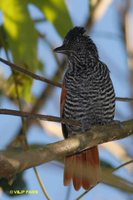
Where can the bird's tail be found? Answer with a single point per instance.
(83, 168)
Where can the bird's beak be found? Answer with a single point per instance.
(61, 49)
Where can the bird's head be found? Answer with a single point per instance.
(77, 43)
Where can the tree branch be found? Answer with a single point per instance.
(98, 11)
(124, 99)
(38, 116)
(14, 161)
(29, 73)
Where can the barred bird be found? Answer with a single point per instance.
(87, 96)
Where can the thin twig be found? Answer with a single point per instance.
(83, 194)
(120, 166)
(124, 99)
(38, 116)
(28, 73)
(41, 184)
(22, 135)
(44, 96)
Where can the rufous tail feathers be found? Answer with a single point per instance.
(83, 168)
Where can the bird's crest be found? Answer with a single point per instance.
(76, 31)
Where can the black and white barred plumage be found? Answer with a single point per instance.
(90, 94)
(87, 96)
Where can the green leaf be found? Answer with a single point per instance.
(56, 12)
(22, 34)
(22, 39)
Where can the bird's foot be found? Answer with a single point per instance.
(116, 122)
(85, 125)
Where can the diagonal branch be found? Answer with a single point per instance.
(34, 116)
(97, 12)
(14, 161)
(29, 73)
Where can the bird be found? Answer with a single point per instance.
(87, 96)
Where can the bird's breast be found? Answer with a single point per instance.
(90, 99)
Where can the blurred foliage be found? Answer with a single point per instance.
(93, 4)
(56, 12)
(19, 36)
(22, 36)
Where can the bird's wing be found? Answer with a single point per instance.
(62, 104)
